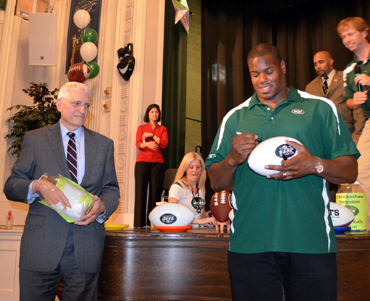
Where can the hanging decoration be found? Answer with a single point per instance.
(126, 63)
(94, 68)
(88, 51)
(82, 39)
(89, 35)
(79, 73)
(182, 13)
(89, 85)
(81, 18)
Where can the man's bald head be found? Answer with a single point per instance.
(323, 63)
(323, 53)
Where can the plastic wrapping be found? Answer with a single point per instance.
(80, 200)
(353, 197)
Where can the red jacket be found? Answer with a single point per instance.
(146, 154)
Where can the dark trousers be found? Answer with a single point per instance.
(43, 286)
(304, 277)
(152, 173)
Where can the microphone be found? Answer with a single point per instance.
(358, 72)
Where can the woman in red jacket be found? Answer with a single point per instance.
(151, 138)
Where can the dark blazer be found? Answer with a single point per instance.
(45, 232)
(355, 120)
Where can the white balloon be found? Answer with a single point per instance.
(81, 18)
(88, 51)
(89, 84)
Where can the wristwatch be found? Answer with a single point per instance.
(153, 136)
(319, 167)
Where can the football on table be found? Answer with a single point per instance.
(171, 214)
(340, 215)
(221, 205)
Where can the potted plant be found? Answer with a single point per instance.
(43, 113)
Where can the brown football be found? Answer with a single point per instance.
(221, 205)
(78, 73)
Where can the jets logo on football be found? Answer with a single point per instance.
(168, 218)
(285, 151)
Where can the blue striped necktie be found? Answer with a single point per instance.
(72, 156)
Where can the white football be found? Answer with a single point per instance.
(271, 152)
(171, 214)
(340, 215)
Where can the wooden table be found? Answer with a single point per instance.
(143, 264)
(353, 261)
(151, 265)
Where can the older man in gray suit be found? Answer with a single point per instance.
(50, 246)
(329, 84)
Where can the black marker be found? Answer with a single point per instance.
(257, 139)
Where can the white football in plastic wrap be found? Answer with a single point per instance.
(171, 214)
(341, 216)
(270, 152)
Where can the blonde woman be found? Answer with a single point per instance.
(188, 188)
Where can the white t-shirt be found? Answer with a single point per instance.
(185, 196)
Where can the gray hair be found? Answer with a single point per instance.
(66, 89)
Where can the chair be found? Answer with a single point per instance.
(169, 177)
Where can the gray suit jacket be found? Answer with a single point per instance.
(354, 120)
(45, 231)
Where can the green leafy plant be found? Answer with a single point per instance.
(44, 112)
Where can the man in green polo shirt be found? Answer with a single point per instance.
(282, 234)
(355, 34)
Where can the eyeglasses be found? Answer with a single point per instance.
(78, 104)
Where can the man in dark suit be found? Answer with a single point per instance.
(50, 246)
(323, 64)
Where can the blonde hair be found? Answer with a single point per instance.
(66, 89)
(357, 23)
(181, 171)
